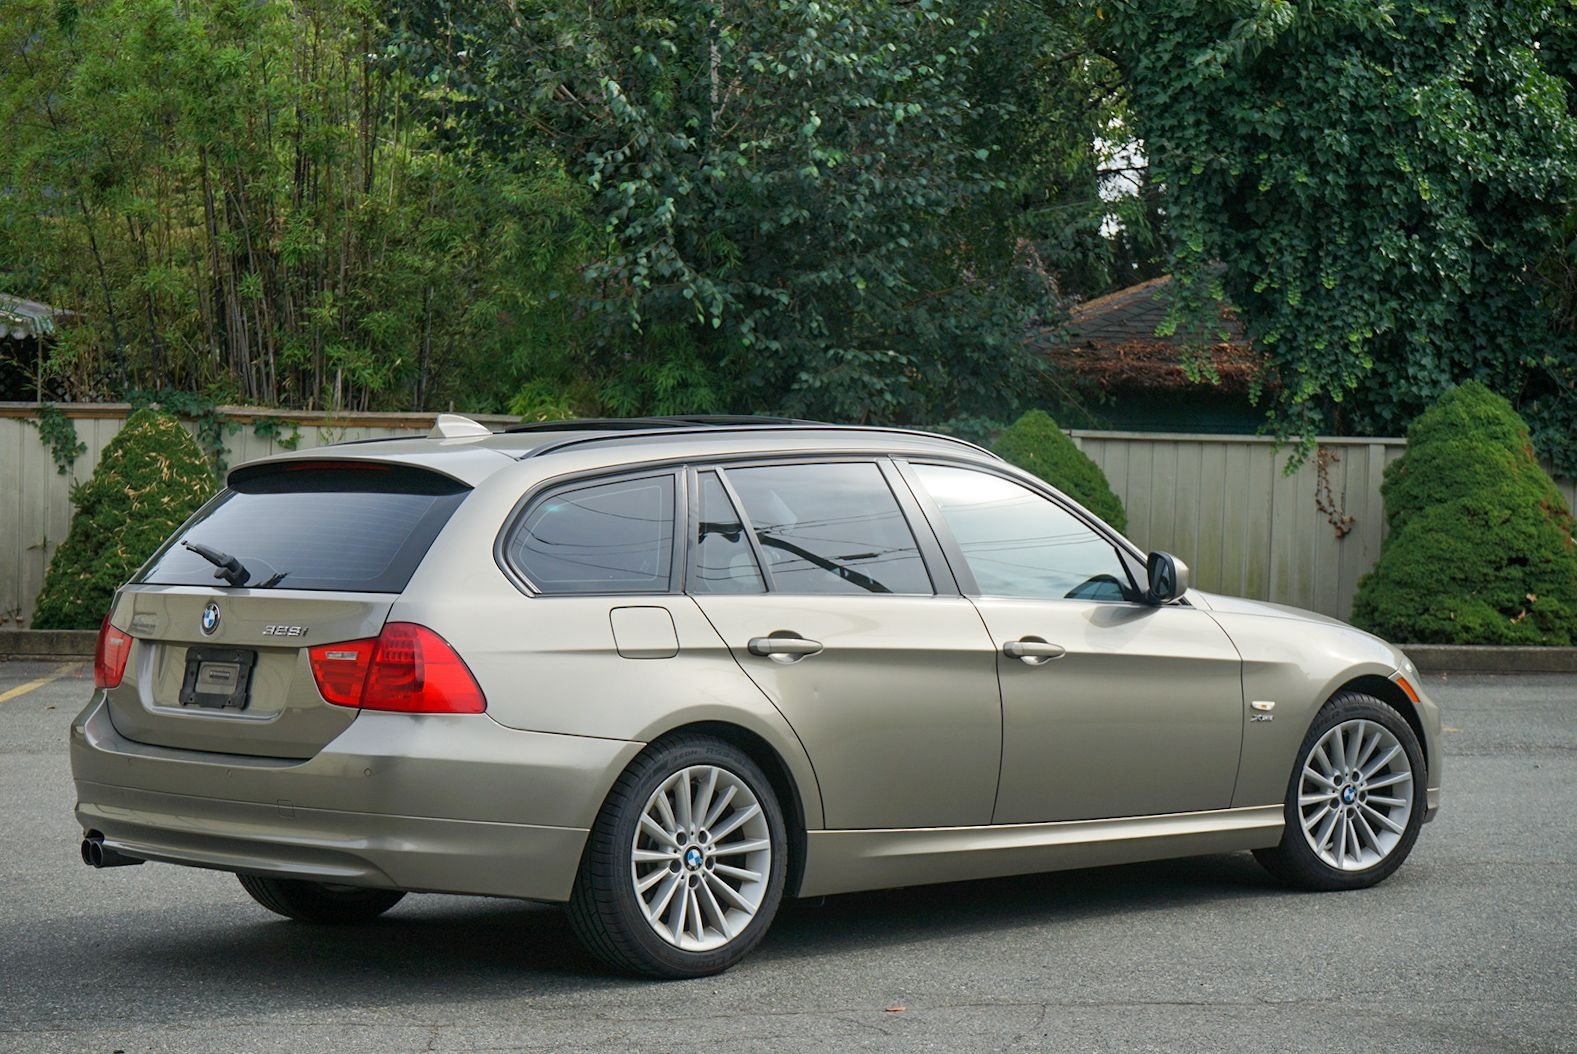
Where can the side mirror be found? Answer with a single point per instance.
(1168, 578)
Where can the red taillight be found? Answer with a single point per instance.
(408, 668)
(341, 669)
(109, 658)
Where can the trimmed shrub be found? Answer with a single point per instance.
(1034, 442)
(1480, 549)
(151, 477)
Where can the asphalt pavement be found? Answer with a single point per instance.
(1471, 946)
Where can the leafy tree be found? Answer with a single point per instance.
(1480, 549)
(795, 214)
(150, 478)
(1380, 183)
(236, 197)
(1034, 442)
(1056, 114)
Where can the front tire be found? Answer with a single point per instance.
(318, 902)
(684, 868)
(1355, 800)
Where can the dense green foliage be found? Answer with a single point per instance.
(239, 197)
(849, 209)
(852, 209)
(1480, 549)
(151, 477)
(1382, 184)
(799, 204)
(1035, 443)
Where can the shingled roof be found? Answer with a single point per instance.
(1112, 341)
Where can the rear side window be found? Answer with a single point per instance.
(605, 538)
(358, 527)
(830, 529)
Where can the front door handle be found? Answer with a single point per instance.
(1033, 651)
(784, 649)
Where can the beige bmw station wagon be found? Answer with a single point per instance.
(670, 671)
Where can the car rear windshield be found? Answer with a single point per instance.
(353, 526)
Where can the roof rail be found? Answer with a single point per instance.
(626, 424)
(676, 427)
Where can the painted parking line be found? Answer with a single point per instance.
(20, 690)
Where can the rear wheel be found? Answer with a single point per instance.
(685, 866)
(318, 901)
(1355, 800)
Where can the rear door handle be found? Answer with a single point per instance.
(1033, 651)
(784, 649)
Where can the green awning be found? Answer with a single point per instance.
(21, 319)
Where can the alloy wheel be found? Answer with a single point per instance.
(1355, 795)
(701, 858)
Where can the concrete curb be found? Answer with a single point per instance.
(48, 644)
(1463, 658)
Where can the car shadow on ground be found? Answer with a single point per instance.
(433, 950)
(927, 913)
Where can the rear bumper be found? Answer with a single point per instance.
(455, 804)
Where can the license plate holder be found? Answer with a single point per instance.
(218, 678)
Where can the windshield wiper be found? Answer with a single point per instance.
(230, 569)
(843, 571)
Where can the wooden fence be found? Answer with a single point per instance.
(1226, 506)
(1222, 503)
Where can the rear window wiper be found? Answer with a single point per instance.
(230, 569)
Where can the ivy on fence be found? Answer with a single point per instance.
(56, 431)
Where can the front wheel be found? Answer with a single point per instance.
(684, 868)
(1355, 801)
(318, 901)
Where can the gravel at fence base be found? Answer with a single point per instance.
(45, 644)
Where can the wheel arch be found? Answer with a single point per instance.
(1391, 694)
(789, 793)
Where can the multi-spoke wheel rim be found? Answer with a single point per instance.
(1355, 795)
(701, 858)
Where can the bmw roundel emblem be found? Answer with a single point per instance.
(210, 619)
(692, 859)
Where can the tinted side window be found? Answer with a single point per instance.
(721, 561)
(830, 529)
(605, 538)
(1019, 544)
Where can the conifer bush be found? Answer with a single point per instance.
(1035, 443)
(151, 477)
(1480, 549)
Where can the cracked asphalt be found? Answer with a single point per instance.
(1472, 946)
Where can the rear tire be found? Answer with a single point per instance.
(1355, 799)
(316, 902)
(684, 868)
